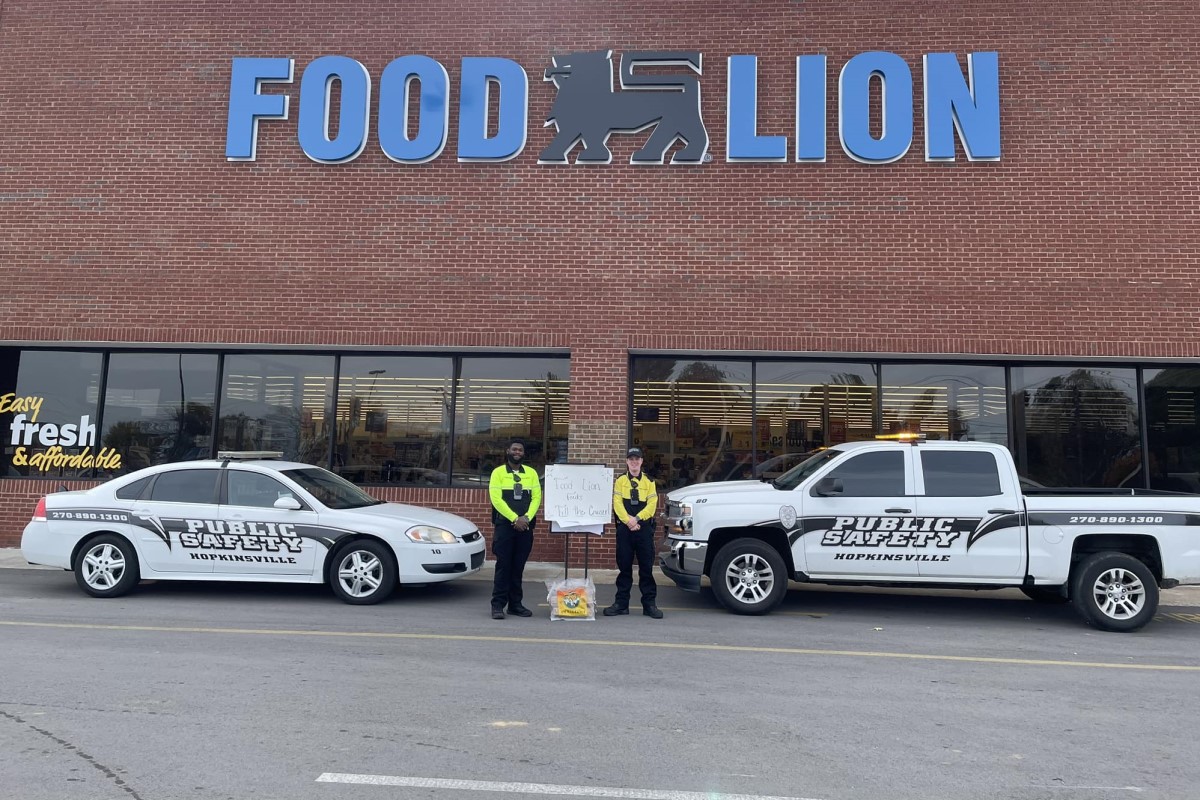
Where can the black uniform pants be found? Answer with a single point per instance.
(511, 548)
(635, 544)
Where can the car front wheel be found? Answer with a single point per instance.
(362, 573)
(107, 566)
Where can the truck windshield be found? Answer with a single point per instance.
(796, 475)
(332, 490)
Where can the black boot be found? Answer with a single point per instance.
(616, 610)
(652, 611)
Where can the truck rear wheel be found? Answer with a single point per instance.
(1114, 592)
(749, 577)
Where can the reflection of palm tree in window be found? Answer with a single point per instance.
(1080, 426)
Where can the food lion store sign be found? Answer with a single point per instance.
(588, 108)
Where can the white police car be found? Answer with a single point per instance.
(247, 517)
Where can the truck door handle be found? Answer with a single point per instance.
(897, 511)
(1001, 511)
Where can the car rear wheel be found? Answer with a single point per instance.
(362, 573)
(1114, 592)
(107, 566)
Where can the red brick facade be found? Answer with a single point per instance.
(123, 222)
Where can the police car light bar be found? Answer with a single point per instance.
(248, 455)
(901, 437)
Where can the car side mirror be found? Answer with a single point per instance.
(288, 503)
(828, 487)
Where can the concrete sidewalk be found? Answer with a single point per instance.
(540, 571)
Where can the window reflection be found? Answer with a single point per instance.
(1077, 426)
(497, 399)
(946, 401)
(811, 405)
(1172, 416)
(158, 407)
(277, 402)
(693, 420)
(393, 420)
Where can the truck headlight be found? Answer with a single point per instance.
(428, 534)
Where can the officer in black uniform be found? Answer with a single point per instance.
(635, 500)
(515, 493)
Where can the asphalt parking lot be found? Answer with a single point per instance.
(238, 690)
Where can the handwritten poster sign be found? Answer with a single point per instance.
(578, 497)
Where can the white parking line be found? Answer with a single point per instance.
(538, 788)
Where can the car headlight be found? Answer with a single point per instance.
(685, 509)
(428, 534)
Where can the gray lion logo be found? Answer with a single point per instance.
(588, 109)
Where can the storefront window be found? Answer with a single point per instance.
(1077, 426)
(277, 402)
(48, 414)
(946, 401)
(1172, 417)
(693, 419)
(804, 406)
(393, 420)
(498, 399)
(158, 407)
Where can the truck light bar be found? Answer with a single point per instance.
(901, 437)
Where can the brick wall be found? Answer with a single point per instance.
(122, 221)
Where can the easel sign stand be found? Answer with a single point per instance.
(577, 499)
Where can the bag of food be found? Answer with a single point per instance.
(572, 598)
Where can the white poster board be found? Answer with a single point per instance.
(578, 497)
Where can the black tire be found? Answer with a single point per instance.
(362, 572)
(749, 577)
(1050, 595)
(107, 566)
(1114, 592)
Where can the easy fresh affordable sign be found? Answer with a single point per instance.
(28, 431)
(957, 108)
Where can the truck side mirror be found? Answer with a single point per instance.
(828, 487)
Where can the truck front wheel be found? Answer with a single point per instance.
(1114, 592)
(749, 577)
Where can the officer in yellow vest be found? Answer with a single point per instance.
(635, 499)
(515, 494)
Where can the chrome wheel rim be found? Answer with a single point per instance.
(103, 566)
(1119, 594)
(360, 573)
(749, 578)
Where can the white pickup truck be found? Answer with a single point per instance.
(932, 514)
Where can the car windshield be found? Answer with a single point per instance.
(796, 475)
(331, 490)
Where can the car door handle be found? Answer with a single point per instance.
(1001, 511)
(897, 511)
